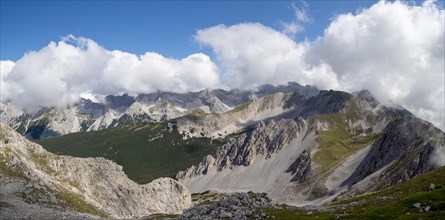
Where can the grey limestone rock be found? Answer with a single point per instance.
(301, 167)
(265, 140)
(249, 206)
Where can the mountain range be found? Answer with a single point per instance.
(86, 115)
(299, 145)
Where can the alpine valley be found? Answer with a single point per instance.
(285, 152)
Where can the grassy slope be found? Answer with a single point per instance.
(196, 113)
(395, 202)
(240, 107)
(146, 152)
(339, 142)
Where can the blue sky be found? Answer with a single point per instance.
(166, 27)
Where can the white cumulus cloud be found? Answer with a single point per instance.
(393, 49)
(61, 72)
(5, 68)
(251, 54)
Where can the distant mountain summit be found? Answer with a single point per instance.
(86, 115)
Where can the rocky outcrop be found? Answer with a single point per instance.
(31, 175)
(301, 167)
(233, 206)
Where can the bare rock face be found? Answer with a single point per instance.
(215, 105)
(32, 176)
(264, 141)
(407, 139)
(408, 147)
(244, 115)
(301, 167)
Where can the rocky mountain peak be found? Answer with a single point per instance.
(86, 106)
(325, 102)
(366, 95)
(119, 101)
(306, 91)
